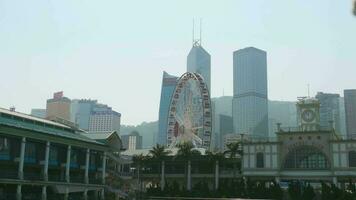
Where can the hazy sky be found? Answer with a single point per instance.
(115, 51)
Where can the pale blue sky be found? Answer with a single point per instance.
(115, 51)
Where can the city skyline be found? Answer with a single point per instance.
(69, 52)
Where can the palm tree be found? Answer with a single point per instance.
(138, 161)
(235, 152)
(216, 158)
(159, 153)
(186, 151)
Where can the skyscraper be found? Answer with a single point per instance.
(168, 85)
(58, 107)
(199, 61)
(250, 102)
(38, 112)
(81, 111)
(329, 110)
(350, 112)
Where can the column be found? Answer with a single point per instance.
(68, 163)
(102, 194)
(216, 175)
(85, 195)
(86, 175)
(162, 176)
(44, 192)
(335, 181)
(45, 169)
(189, 179)
(66, 194)
(18, 192)
(104, 168)
(22, 158)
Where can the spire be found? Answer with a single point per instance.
(197, 41)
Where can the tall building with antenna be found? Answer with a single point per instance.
(199, 60)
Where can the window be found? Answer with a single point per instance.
(352, 158)
(306, 157)
(260, 161)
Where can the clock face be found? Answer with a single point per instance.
(308, 115)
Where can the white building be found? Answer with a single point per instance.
(104, 119)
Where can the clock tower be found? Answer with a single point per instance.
(308, 114)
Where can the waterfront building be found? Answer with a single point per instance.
(309, 152)
(104, 119)
(250, 101)
(350, 112)
(58, 107)
(168, 85)
(38, 112)
(132, 141)
(42, 159)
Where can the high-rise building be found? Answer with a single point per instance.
(250, 102)
(132, 141)
(58, 107)
(168, 85)
(81, 111)
(350, 112)
(342, 116)
(104, 119)
(199, 61)
(38, 112)
(329, 110)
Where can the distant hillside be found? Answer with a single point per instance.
(148, 130)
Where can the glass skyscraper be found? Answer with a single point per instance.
(250, 101)
(168, 85)
(329, 110)
(199, 61)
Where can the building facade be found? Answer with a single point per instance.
(58, 107)
(350, 112)
(250, 101)
(199, 61)
(329, 110)
(309, 152)
(104, 119)
(42, 159)
(132, 141)
(169, 83)
(81, 111)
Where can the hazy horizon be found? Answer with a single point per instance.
(116, 51)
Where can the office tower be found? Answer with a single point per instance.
(168, 85)
(329, 110)
(58, 107)
(38, 112)
(250, 102)
(350, 112)
(104, 119)
(284, 112)
(198, 61)
(81, 111)
(132, 141)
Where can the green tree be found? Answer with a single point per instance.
(159, 154)
(234, 150)
(138, 162)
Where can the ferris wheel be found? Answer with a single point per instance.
(189, 117)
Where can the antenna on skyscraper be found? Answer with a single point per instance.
(193, 33)
(200, 32)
